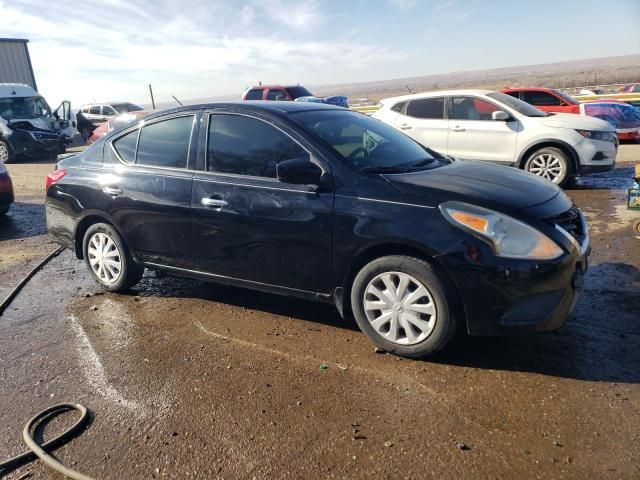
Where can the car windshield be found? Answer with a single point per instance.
(24, 108)
(518, 105)
(299, 91)
(567, 98)
(126, 107)
(367, 144)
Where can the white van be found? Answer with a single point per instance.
(28, 126)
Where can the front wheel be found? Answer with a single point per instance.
(550, 163)
(6, 155)
(400, 304)
(109, 260)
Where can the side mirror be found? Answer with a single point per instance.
(500, 116)
(299, 171)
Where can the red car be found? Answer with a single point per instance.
(276, 92)
(624, 117)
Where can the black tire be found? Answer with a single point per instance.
(130, 272)
(565, 163)
(445, 323)
(5, 149)
(4, 210)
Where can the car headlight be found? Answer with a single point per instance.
(598, 135)
(507, 236)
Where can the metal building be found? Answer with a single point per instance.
(15, 63)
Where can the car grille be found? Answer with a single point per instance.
(572, 222)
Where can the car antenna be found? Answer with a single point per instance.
(410, 91)
(179, 102)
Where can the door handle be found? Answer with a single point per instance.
(113, 191)
(405, 127)
(213, 202)
(458, 129)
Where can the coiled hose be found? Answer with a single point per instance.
(38, 451)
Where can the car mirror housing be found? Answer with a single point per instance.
(500, 116)
(299, 171)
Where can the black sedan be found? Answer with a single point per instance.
(324, 203)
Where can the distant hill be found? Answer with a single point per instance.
(592, 71)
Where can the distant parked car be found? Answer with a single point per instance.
(496, 127)
(630, 88)
(327, 204)
(6, 187)
(98, 113)
(276, 92)
(618, 113)
(116, 122)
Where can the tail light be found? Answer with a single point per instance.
(54, 177)
(5, 183)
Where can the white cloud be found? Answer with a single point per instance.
(113, 51)
(404, 4)
(295, 14)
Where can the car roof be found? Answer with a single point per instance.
(272, 86)
(273, 107)
(17, 90)
(528, 89)
(436, 93)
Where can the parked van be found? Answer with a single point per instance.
(28, 126)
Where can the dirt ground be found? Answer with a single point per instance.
(192, 380)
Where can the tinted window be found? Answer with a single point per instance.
(95, 110)
(166, 143)
(107, 110)
(247, 146)
(297, 92)
(426, 108)
(541, 98)
(398, 107)
(126, 146)
(513, 94)
(276, 95)
(254, 95)
(518, 105)
(365, 143)
(126, 107)
(470, 108)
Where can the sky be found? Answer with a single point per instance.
(194, 49)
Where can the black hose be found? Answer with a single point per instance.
(39, 450)
(5, 303)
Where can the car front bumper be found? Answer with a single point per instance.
(506, 296)
(23, 143)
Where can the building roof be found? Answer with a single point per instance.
(19, 40)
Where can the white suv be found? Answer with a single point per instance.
(493, 126)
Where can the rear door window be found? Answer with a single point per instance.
(126, 146)
(244, 145)
(107, 110)
(254, 94)
(426, 108)
(165, 143)
(95, 110)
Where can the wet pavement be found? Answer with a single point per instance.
(193, 380)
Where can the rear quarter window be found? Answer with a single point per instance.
(254, 95)
(126, 146)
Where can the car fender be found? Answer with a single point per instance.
(547, 141)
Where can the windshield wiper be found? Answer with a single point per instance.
(384, 169)
(423, 163)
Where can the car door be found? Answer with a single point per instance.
(424, 120)
(474, 135)
(247, 224)
(147, 188)
(277, 94)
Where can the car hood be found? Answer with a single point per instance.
(492, 186)
(578, 122)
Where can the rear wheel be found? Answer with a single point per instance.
(6, 155)
(108, 258)
(550, 163)
(400, 304)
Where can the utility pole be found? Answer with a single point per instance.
(153, 102)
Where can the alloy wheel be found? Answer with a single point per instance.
(400, 308)
(547, 165)
(4, 153)
(104, 257)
